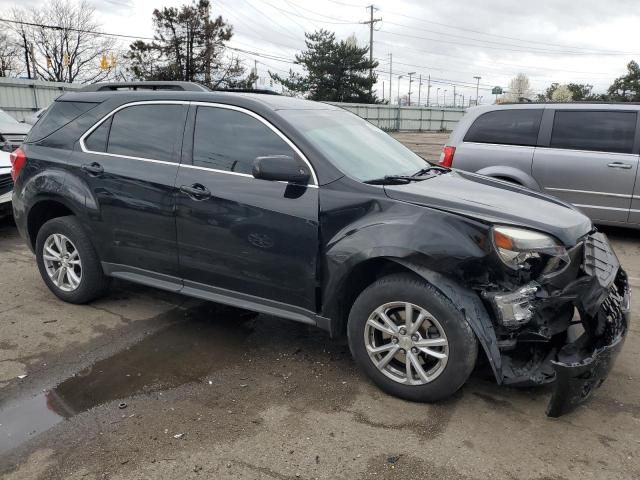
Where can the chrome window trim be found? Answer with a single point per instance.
(286, 139)
(590, 192)
(598, 207)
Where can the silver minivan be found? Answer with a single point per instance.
(584, 154)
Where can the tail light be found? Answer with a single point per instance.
(446, 157)
(18, 160)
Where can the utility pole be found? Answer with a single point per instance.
(454, 96)
(255, 71)
(438, 97)
(371, 22)
(390, 74)
(399, 77)
(26, 54)
(419, 89)
(410, 82)
(428, 89)
(383, 91)
(477, 87)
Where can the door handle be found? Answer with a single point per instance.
(196, 191)
(626, 166)
(93, 168)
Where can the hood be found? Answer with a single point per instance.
(14, 127)
(4, 161)
(496, 202)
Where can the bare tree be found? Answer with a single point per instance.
(9, 55)
(520, 88)
(62, 44)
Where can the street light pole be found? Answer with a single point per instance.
(438, 97)
(444, 98)
(399, 77)
(410, 82)
(477, 86)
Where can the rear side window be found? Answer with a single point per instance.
(58, 115)
(229, 140)
(508, 127)
(604, 131)
(145, 131)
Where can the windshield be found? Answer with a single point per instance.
(353, 145)
(6, 118)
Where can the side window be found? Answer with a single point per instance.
(56, 116)
(229, 140)
(97, 141)
(604, 131)
(507, 127)
(146, 131)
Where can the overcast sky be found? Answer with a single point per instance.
(453, 41)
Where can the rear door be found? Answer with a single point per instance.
(500, 138)
(130, 162)
(590, 159)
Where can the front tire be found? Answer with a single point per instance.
(410, 339)
(67, 261)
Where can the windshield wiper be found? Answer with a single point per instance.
(431, 168)
(397, 179)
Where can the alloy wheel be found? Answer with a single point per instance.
(62, 262)
(406, 343)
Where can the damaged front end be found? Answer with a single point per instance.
(561, 315)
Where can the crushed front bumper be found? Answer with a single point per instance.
(604, 306)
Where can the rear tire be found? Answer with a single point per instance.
(68, 263)
(424, 360)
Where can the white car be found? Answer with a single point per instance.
(6, 184)
(12, 134)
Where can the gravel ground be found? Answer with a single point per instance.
(144, 384)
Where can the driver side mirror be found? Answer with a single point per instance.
(282, 168)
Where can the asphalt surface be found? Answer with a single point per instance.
(144, 384)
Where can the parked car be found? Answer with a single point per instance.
(6, 185)
(305, 211)
(12, 134)
(585, 154)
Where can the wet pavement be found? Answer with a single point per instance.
(143, 384)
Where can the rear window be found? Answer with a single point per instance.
(507, 127)
(604, 131)
(57, 116)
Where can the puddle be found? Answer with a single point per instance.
(211, 338)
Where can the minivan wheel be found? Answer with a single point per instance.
(410, 339)
(68, 262)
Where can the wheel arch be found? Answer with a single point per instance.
(470, 305)
(43, 210)
(511, 174)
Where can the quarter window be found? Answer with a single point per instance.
(97, 141)
(146, 131)
(507, 127)
(604, 131)
(230, 140)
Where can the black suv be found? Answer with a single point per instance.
(305, 211)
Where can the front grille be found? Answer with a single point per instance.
(6, 184)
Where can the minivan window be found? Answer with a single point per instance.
(58, 115)
(230, 140)
(146, 131)
(506, 127)
(604, 131)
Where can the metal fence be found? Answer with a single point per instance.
(21, 98)
(407, 119)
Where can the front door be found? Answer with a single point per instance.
(591, 162)
(237, 233)
(130, 163)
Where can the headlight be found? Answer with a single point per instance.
(515, 246)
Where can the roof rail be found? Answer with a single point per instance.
(115, 86)
(262, 91)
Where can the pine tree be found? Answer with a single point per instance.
(335, 71)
